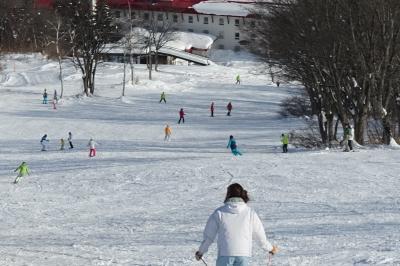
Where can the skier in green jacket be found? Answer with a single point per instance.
(23, 171)
(285, 142)
(162, 97)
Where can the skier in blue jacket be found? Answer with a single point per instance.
(233, 146)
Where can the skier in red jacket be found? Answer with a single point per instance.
(181, 116)
(229, 107)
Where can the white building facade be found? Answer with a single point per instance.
(225, 24)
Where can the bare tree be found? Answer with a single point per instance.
(89, 30)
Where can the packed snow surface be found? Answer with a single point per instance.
(143, 201)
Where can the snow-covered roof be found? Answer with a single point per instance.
(189, 40)
(182, 41)
(224, 8)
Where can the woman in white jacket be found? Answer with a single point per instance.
(235, 224)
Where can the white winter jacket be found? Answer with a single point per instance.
(235, 224)
(92, 144)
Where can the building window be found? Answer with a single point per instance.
(221, 21)
(190, 30)
(160, 17)
(190, 19)
(237, 22)
(175, 18)
(117, 14)
(133, 15)
(146, 16)
(206, 31)
(221, 46)
(237, 36)
(221, 35)
(236, 49)
(205, 21)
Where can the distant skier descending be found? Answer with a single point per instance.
(181, 116)
(92, 146)
(45, 97)
(168, 132)
(229, 107)
(71, 146)
(238, 79)
(234, 224)
(233, 146)
(62, 143)
(162, 97)
(285, 142)
(44, 141)
(212, 109)
(23, 170)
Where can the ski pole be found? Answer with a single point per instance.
(203, 261)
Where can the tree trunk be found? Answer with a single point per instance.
(150, 62)
(359, 127)
(156, 61)
(131, 65)
(61, 76)
(387, 131)
(124, 78)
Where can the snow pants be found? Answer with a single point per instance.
(163, 99)
(167, 137)
(284, 148)
(350, 144)
(18, 178)
(236, 152)
(70, 145)
(92, 152)
(44, 100)
(44, 146)
(181, 119)
(233, 261)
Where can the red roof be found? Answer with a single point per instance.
(157, 5)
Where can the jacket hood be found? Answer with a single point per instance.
(234, 207)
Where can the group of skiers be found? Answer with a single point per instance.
(44, 141)
(45, 98)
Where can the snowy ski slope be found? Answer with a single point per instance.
(145, 202)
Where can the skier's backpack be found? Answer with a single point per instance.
(233, 145)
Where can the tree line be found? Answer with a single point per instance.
(79, 31)
(345, 53)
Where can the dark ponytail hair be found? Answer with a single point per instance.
(236, 191)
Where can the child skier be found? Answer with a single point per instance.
(162, 97)
(70, 140)
(235, 224)
(55, 97)
(23, 171)
(229, 108)
(181, 116)
(238, 79)
(45, 96)
(44, 141)
(212, 109)
(285, 142)
(62, 142)
(232, 144)
(92, 145)
(168, 133)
